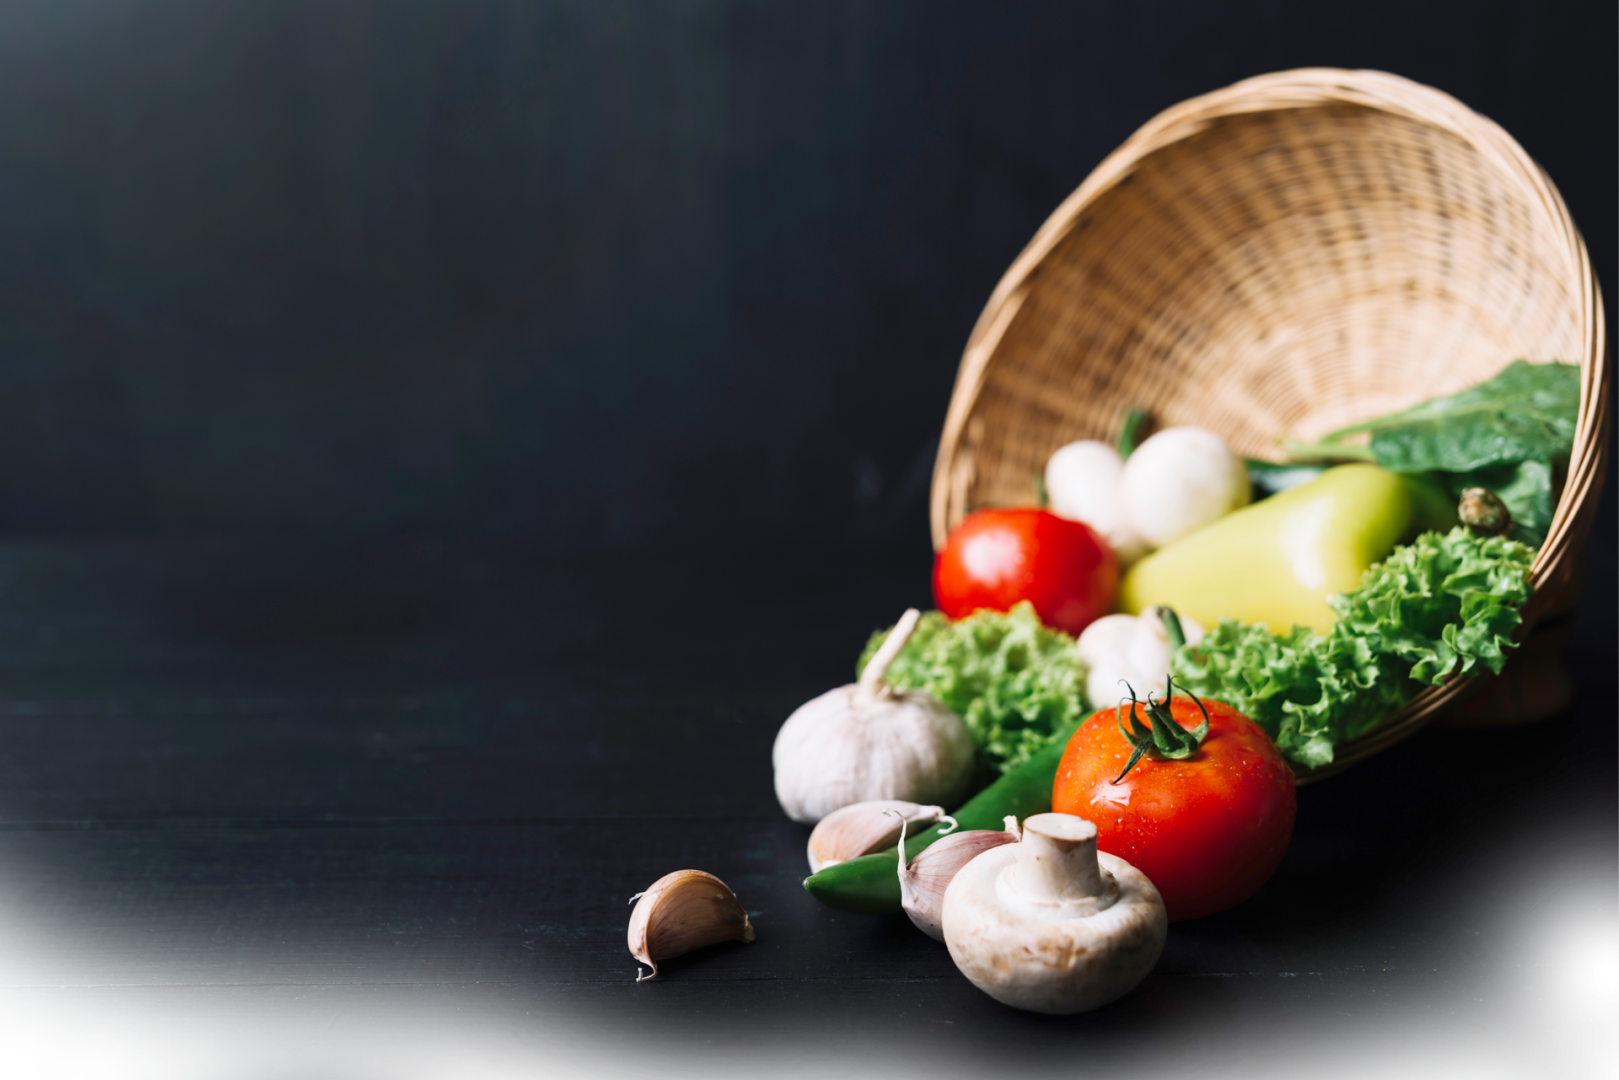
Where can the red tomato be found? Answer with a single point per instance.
(1208, 829)
(998, 557)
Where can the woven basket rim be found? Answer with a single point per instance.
(1305, 88)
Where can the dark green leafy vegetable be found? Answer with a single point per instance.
(1508, 434)
(1443, 604)
(1526, 488)
(1014, 682)
(1433, 506)
(1272, 478)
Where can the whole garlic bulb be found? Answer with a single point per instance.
(1129, 649)
(870, 740)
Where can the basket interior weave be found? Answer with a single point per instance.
(1280, 273)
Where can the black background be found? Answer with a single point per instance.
(440, 442)
(592, 273)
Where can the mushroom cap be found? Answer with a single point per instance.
(1179, 480)
(853, 745)
(1082, 482)
(1024, 957)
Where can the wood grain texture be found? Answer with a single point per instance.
(355, 835)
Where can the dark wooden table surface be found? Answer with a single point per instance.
(274, 810)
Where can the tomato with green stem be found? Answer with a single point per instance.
(1192, 793)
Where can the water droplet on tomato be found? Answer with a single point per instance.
(1111, 794)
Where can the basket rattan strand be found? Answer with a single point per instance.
(1280, 258)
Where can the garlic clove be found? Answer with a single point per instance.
(864, 827)
(871, 740)
(923, 881)
(682, 911)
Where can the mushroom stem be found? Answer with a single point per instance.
(1050, 923)
(1057, 859)
(871, 679)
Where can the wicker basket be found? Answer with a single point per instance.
(1283, 257)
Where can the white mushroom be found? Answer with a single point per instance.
(1082, 484)
(1179, 480)
(871, 740)
(1129, 649)
(1052, 925)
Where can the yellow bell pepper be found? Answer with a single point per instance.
(1276, 561)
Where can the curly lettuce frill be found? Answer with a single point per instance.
(1439, 606)
(1014, 682)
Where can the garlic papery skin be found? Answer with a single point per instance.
(870, 740)
(1052, 925)
(864, 827)
(1082, 484)
(1128, 649)
(682, 911)
(1178, 481)
(924, 879)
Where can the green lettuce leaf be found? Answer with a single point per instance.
(1015, 683)
(1440, 605)
(1525, 411)
(1526, 488)
(1507, 434)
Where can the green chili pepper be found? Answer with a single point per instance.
(869, 885)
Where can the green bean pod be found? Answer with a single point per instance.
(869, 885)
